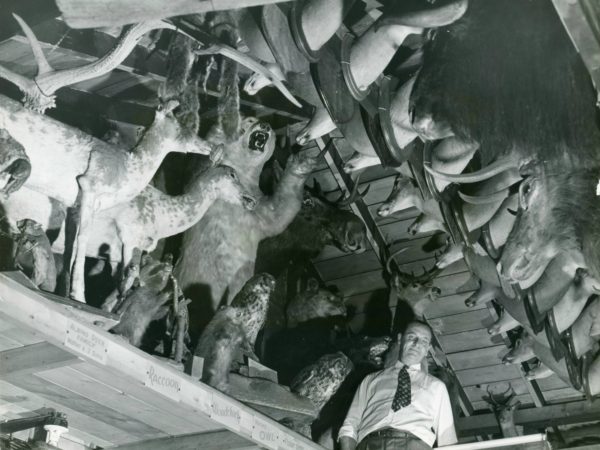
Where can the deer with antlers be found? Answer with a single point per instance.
(78, 169)
(504, 406)
(418, 291)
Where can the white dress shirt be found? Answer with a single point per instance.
(428, 416)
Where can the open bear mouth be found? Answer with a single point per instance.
(258, 140)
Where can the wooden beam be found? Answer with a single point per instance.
(34, 358)
(540, 418)
(214, 440)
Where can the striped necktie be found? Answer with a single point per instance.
(402, 396)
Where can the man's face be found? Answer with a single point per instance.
(415, 344)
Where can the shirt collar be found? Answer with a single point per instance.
(416, 367)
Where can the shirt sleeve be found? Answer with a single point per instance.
(444, 422)
(353, 418)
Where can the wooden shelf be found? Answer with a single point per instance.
(52, 355)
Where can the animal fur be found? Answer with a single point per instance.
(233, 328)
(506, 75)
(33, 242)
(146, 303)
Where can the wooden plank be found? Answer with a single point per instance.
(33, 358)
(481, 357)
(458, 323)
(7, 343)
(106, 395)
(468, 340)
(180, 412)
(451, 304)
(524, 399)
(348, 265)
(105, 349)
(552, 382)
(70, 399)
(20, 334)
(476, 393)
(89, 429)
(542, 417)
(215, 440)
(489, 374)
(562, 395)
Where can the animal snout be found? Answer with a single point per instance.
(436, 291)
(384, 211)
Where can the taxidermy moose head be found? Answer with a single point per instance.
(557, 215)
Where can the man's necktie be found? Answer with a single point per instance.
(402, 396)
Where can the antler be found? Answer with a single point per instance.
(39, 91)
(354, 194)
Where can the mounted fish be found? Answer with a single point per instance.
(75, 168)
(233, 329)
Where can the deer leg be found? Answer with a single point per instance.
(373, 51)
(86, 217)
(320, 19)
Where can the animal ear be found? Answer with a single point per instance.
(312, 285)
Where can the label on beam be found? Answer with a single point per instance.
(163, 381)
(226, 412)
(265, 433)
(85, 341)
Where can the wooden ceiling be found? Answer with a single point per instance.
(128, 95)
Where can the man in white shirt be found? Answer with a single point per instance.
(401, 407)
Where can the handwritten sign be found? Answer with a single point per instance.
(163, 381)
(265, 433)
(226, 412)
(86, 341)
